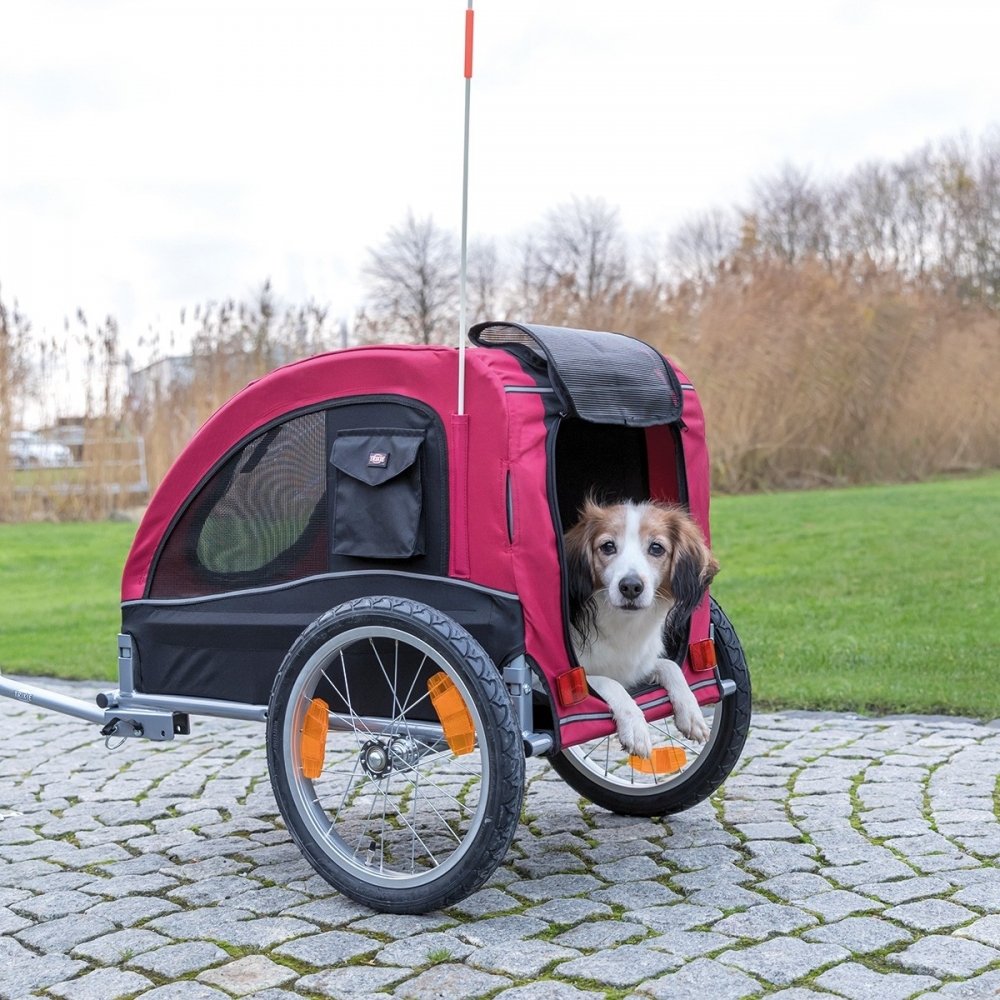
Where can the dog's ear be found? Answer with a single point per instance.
(692, 569)
(580, 575)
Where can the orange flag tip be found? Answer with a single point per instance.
(469, 14)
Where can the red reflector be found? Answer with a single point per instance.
(702, 655)
(572, 687)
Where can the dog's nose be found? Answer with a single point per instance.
(630, 587)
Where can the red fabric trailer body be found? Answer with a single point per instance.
(350, 474)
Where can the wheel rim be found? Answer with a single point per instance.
(605, 763)
(393, 804)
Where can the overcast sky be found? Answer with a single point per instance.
(162, 154)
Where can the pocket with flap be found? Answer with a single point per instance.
(378, 498)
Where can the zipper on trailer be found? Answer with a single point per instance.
(551, 487)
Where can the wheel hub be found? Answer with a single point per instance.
(375, 759)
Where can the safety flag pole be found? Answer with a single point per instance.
(463, 269)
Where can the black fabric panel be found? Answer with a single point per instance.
(408, 530)
(606, 378)
(600, 460)
(231, 647)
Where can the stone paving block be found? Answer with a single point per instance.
(496, 930)
(525, 961)
(839, 903)
(867, 872)
(552, 886)
(11, 922)
(860, 935)
(976, 988)
(62, 934)
(760, 922)
(485, 902)
(262, 933)
(177, 960)
(333, 911)
(794, 886)
(780, 830)
(692, 858)
(986, 930)
(858, 982)
(930, 914)
(101, 984)
(727, 897)
(132, 910)
(351, 981)
(415, 951)
(600, 934)
(983, 895)
(700, 980)
(688, 944)
(943, 956)
(27, 975)
(704, 878)
(634, 869)
(781, 961)
(399, 925)
(626, 965)
(53, 904)
(567, 911)
(251, 974)
(445, 981)
(112, 949)
(636, 894)
(185, 990)
(556, 863)
(676, 916)
(616, 850)
(905, 889)
(548, 990)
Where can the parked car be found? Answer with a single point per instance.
(30, 450)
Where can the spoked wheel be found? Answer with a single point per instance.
(683, 772)
(394, 755)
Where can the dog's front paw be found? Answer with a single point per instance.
(690, 721)
(633, 732)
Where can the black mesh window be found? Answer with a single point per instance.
(260, 519)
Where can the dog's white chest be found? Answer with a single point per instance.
(626, 645)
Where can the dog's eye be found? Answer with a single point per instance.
(656, 549)
(608, 548)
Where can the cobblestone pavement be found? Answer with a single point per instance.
(844, 857)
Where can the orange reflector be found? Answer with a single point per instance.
(572, 687)
(455, 719)
(313, 745)
(701, 655)
(665, 760)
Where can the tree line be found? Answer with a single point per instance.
(839, 330)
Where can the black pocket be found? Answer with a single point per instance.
(378, 499)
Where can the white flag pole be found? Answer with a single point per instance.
(463, 269)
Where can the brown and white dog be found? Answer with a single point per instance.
(631, 566)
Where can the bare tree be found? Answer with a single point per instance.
(580, 262)
(699, 248)
(485, 281)
(412, 285)
(791, 217)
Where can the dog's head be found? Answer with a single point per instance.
(632, 556)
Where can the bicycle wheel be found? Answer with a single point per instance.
(394, 756)
(604, 773)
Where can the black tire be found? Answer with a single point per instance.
(600, 770)
(396, 819)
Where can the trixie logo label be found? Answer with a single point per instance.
(378, 460)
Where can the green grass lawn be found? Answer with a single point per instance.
(879, 599)
(59, 598)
